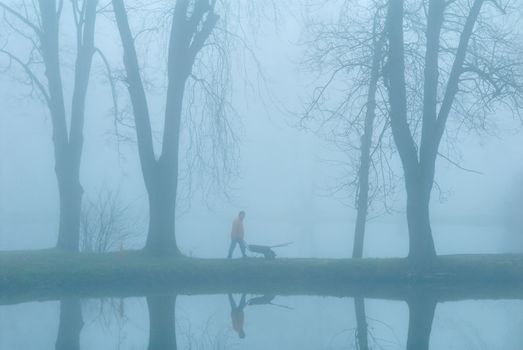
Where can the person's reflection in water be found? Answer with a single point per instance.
(263, 300)
(162, 334)
(266, 299)
(237, 315)
(70, 325)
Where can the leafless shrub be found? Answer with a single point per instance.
(106, 224)
(206, 338)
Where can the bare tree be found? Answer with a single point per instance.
(366, 144)
(453, 82)
(350, 54)
(192, 24)
(38, 23)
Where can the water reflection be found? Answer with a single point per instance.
(70, 325)
(237, 315)
(162, 321)
(162, 330)
(421, 315)
(157, 322)
(362, 336)
(266, 300)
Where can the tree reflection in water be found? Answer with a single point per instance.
(362, 333)
(421, 315)
(70, 325)
(163, 328)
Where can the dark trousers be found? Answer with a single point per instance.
(240, 306)
(241, 242)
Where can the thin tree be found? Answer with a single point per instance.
(351, 51)
(362, 203)
(485, 79)
(192, 24)
(43, 34)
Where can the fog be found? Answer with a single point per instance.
(366, 157)
(284, 176)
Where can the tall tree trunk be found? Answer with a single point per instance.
(70, 325)
(362, 331)
(70, 196)
(67, 145)
(163, 186)
(418, 193)
(50, 47)
(421, 315)
(71, 190)
(421, 244)
(190, 29)
(162, 322)
(366, 143)
(161, 237)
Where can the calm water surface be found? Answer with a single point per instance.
(267, 322)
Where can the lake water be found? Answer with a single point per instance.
(269, 322)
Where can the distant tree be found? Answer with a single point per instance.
(348, 108)
(512, 215)
(471, 68)
(366, 145)
(192, 24)
(37, 23)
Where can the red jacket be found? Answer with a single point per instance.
(237, 231)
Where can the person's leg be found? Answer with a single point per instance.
(242, 247)
(231, 248)
(231, 302)
(242, 301)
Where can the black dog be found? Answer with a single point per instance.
(266, 250)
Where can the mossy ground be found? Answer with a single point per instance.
(51, 274)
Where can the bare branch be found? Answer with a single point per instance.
(457, 165)
(22, 18)
(29, 73)
(111, 80)
(457, 70)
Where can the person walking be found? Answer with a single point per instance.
(237, 235)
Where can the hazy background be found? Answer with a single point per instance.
(284, 172)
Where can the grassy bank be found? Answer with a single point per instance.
(49, 274)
